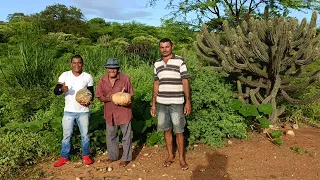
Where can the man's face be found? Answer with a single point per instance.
(112, 72)
(165, 49)
(77, 65)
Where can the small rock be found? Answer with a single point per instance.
(133, 147)
(196, 145)
(139, 178)
(110, 169)
(156, 146)
(78, 178)
(165, 175)
(87, 166)
(129, 169)
(229, 142)
(202, 170)
(145, 154)
(290, 133)
(133, 165)
(99, 161)
(295, 126)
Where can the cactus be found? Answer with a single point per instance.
(265, 55)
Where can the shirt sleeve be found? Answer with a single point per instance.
(90, 83)
(99, 91)
(62, 78)
(183, 71)
(156, 78)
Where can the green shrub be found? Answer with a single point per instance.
(212, 118)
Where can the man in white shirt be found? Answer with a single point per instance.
(69, 83)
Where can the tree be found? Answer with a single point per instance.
(266, 57)
(214, 12)
(15, 17)
(60, 18)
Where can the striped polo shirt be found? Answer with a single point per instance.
(170, 77)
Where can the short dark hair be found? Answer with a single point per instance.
(166, 40)
(77, 56)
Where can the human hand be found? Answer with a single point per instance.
(153, 111)
(64, 88)
(187, 108)
(85, 103)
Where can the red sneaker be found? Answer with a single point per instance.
(61, 162)
(87, 160)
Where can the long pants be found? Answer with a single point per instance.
(113, 142)
(82, 119)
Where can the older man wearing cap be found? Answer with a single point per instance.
(116, 116)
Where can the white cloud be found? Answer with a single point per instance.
(114, 9)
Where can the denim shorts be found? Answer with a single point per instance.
(171, 116)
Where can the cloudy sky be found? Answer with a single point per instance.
(111, 10)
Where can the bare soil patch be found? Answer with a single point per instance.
(253, 159)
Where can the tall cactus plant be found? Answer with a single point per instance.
(266, 56)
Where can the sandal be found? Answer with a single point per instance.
(167, 163)
(123, 163)
(184, 167)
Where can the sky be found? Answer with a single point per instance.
(111, 10)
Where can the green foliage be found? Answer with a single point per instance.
(212, 118)
(60, 18)
(276, 134)
(20, 149)
(277, 141)
(214, 12)
(252, 111)
(297, 149)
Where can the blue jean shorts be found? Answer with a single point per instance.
(171, 116)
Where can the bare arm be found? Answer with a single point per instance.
(155, 92)
(186, 90)
(154, 97)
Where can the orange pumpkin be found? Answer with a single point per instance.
(83, 96)
(121, 98)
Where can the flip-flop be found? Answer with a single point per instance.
(184, 167)
(167, 163)
(123, 163)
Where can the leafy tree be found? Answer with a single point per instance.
(16, 17)
(60, 18)
(97, 28)
(213, 12)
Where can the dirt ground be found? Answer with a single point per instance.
(253, 159)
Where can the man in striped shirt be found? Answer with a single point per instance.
(171, 99)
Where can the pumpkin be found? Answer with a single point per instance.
(121, 98)
(84, 96)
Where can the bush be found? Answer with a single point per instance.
(212, 118)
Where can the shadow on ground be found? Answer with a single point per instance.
(215, 170)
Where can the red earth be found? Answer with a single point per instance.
(253, 159)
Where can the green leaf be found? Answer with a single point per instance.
(236, 104)
(265, 108)
(264, 122)
(277, 141)
(249, 110)
(276, 134)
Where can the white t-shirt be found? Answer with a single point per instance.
(75, 83)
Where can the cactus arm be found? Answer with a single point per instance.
(297, 101)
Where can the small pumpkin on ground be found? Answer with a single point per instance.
(84, 96)
(121, 98)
